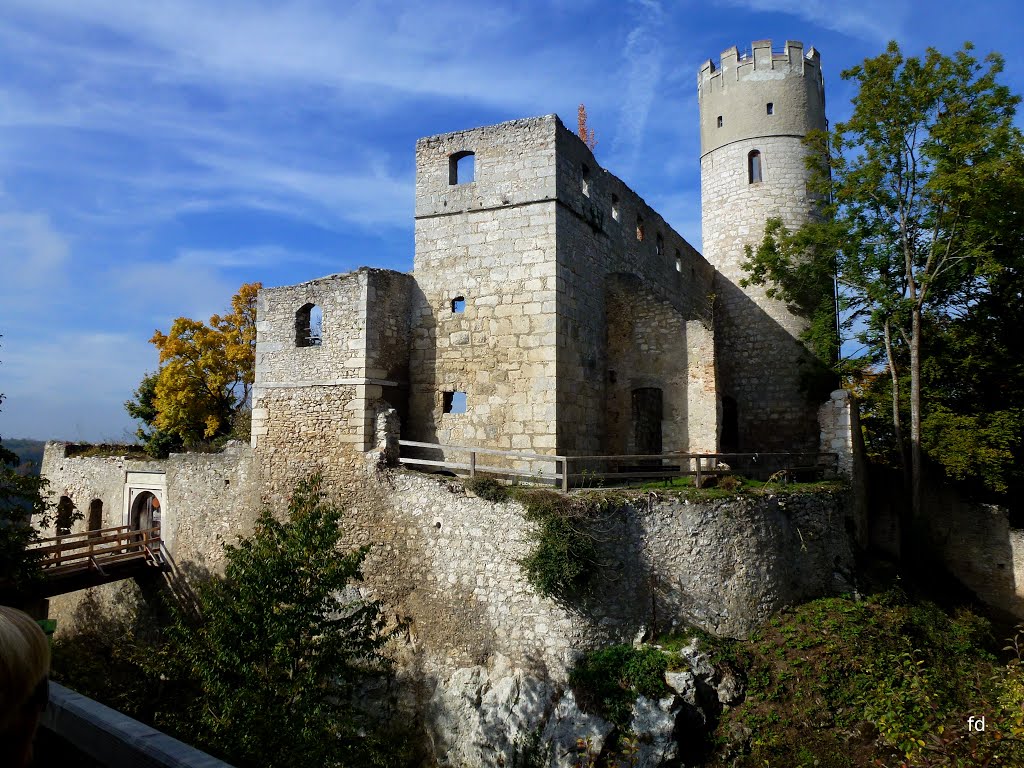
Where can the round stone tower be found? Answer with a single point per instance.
(754, 113)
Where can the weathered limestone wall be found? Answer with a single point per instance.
(490, 241)
(605, 229)
(314, 407)
(450, 562)
(841, 434)
(756, 338)
(207, 499)
(649, 347)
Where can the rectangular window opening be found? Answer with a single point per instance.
(771, 108)
(454, 402)
(459, 304)
(719, 121)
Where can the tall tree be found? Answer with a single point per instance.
(276, 661)
(205, 377)
(911, 184)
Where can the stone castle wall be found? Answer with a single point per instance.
(489, 241)
(314, 407)
(757, 338)
(606, 230)
(207, 500)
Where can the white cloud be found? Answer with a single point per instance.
(872, 20)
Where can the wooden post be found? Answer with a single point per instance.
(565, 474)
(472, 463)
(697, 479)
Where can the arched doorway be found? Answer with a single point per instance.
(65, 516)
(145, 512)
(95, 516)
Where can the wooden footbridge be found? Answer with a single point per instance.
(88, 559)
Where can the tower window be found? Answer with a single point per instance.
(771, 108)
(719, 121)
(586, 181)
(679, 261)
(754, 167)
(461, 167)
(454, 402)
(459, 304)
(309, 326)
(615, 207)
(640, 228)
(659, 245)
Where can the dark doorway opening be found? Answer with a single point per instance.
(730, 425)
(647, 415)
(145, 512)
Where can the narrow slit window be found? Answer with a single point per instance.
(459, 304)
(586, 181)
(679, 262)
(771, 108)
(640, 228)
(754, 167)
(454, 402)
(719, 121)
(461, 168)
(615, 208)
(309, 326)
(659, 245)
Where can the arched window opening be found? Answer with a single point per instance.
(615, 207)
(65, 516)
(95, 521)
(461, 168)
(309, 326)
(659, 245)
(679, 261)
(754, 167)
(719, 121)
(771, 108)
(459, 304)
(640, 228)
(586, 181)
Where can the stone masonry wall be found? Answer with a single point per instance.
(314, 407)
(208, 499)
(766, 103)
(450, 562)
(648, 346)
(604, 229)
(491, 242)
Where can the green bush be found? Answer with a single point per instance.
(608, 681)
(564, 559)
(488, 488)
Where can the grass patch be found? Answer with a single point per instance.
(607, 682)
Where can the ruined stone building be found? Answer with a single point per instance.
(550, 311)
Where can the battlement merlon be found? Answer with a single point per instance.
(791, 59)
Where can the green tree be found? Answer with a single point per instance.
(911, 185)
(22, 498)
(277, 659)
(205, 378)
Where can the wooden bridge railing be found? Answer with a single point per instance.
(70, 554)
(575, 471)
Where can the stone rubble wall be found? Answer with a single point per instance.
(208, 499)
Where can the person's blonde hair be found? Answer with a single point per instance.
(24, 666)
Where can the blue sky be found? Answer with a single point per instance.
(156, 155)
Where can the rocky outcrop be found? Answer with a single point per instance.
(497, 715)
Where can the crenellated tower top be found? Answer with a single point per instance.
(760, 93)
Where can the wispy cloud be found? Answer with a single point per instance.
(871, 20)
(643, 56)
